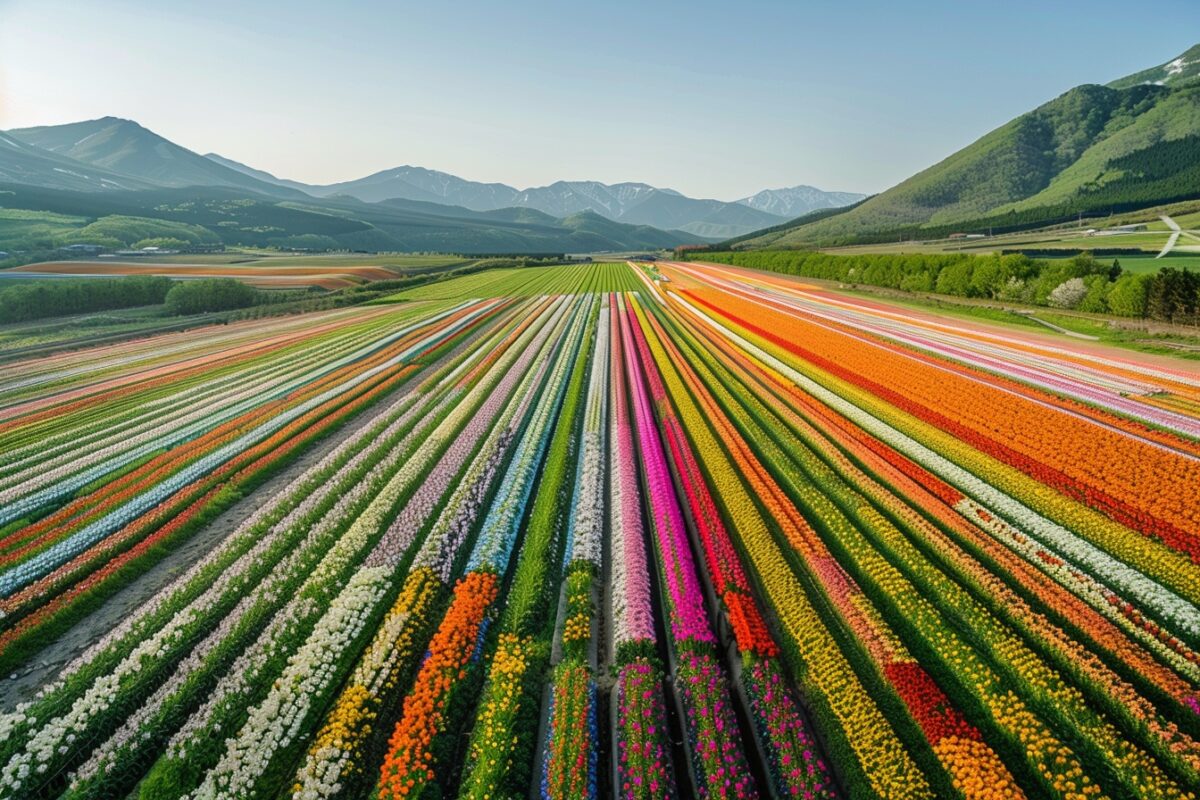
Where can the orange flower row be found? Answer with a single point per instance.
(408, 764)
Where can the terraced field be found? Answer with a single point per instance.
(606, 530)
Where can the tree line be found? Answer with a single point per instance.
(1082, 282)
(59, 297)
(42, 299)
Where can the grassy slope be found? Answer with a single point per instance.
(1175, 117)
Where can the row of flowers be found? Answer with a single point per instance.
(861, 738)
(642, 762)
(716, 752)
(1063, 450)
(44, 561)
(191, 750)
(1151, 575)
(249, 755)
(570, 749)
(502, 742)
(78, 473)
(1131, 578)
(1034, 568)
(268, 623)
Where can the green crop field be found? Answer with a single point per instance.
(527, 281)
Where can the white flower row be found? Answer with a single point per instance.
(1079, 583)
(75, 480)
(96, 431)
(275, 722)
(27, 571)
(158, 348)
(162, 417)
(235, 688)
(586, 529)
(147, 646)
(147, 654)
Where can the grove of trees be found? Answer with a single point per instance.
(210, 294)
(40, 299)
(1081, 282)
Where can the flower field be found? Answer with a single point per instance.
(628, 530)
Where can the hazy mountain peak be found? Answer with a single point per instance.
(26, 164)
(126, 147)
(796, 201)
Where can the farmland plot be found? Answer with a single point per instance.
(611, 530)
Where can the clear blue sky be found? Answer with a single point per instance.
(713, 99)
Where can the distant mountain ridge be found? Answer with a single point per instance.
(796, 201)
(118, 155)
(1132, 143)
(23, 163)
(634, 203)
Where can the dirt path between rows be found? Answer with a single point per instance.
(44, 666)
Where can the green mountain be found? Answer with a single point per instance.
(1133, 143)
(113, 182)
(125, 147)
(220, 214)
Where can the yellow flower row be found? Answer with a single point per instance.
(492, 738)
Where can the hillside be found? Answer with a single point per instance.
(258, 174)
(117, 154)
(418, 183)
(634, 203)
(1093, 149)
(112, 153)
(125, 147)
